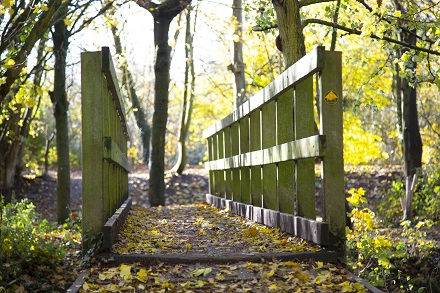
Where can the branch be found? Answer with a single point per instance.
(357, 32)
(303, 3)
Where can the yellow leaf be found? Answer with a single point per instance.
(199, 284)
(67, 22)
(321, 278)
(320, 264)
(44, 7)
(270, 274)
(125, 271)
(9, 63)
(273, 287)
(251, 232)
(7, 3)
(142, 275)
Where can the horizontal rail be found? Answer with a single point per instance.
(309, 147)
(301, 70)
(114, 154)
(110, 74)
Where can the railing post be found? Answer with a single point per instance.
(93, 87)
(330, 94)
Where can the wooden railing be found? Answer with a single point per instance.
(104, 145)
(262, 156)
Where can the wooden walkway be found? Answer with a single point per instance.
(198, 248)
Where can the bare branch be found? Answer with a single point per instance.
(311, 2)
(358, 32)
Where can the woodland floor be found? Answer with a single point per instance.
(185, 190)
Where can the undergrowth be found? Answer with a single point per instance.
(399, 259)
(33, 252)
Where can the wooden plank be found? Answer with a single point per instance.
(113, 153)
(228, 154)
(330, 87)
(92, 88)
(221, 155)
(269, 140)
(286, 169)
(302, 69)
(210, 157)
(305, 169)
(112, 82)
(311, 230)
(255, 145)
(309, 147)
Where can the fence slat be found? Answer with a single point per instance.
(305, 169)
(277, 151)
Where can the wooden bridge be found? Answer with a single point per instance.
(261, 156)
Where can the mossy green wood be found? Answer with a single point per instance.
(286, 170)
(221, 155)
(333, 163)
(235, 150)
(228, 171)
(269, 139)
(217, 172)
(305, 169)
(210, 158)
(105, 165)
(92, 89)
(254, 145)
(245, 172)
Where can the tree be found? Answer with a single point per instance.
(163, 14)
(60, 36)
(23, 25)
(128, 82)
(398, 29)
(238, 65)
(188, 95)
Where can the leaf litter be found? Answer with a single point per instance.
(203, 229)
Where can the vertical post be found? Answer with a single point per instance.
(305, 169)
(245, 172)
(255, 145)
(235, 150)
(221, 155)
(286, 170)
(269, 133)
(228, 171)
(330, 100)
(211, 158)
(93, 87)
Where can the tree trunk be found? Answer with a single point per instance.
(238, 66)
(412, 146)
(290, 38)
(10, 142)
(160, 115)
(188, 98)
(138, 110)
(61, 106)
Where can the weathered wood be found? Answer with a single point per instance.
(305, 169)
(93, 85)
(304, 68)
(308, 147)
(274, 168)
(269, 140)
(255, 145)
(330, 102)
(114, 154)
(104, 144)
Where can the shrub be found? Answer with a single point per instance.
(426, 203)
(30, 248)
(387, 257)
